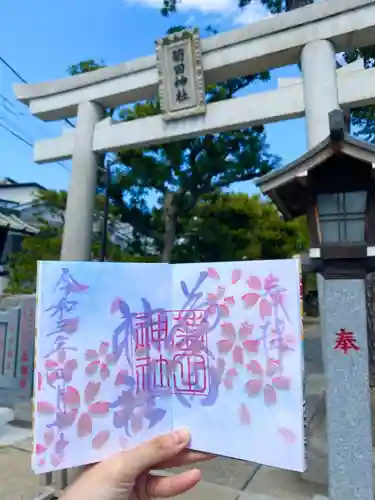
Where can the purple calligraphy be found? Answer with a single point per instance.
(59, 365)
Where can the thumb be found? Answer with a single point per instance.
(149, 454)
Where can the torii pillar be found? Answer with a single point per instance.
(77, 235)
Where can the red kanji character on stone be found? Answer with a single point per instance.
(345, 341)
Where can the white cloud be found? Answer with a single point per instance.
(252, 13)
(206, 6)
(224, 8)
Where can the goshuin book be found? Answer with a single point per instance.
(126, 351)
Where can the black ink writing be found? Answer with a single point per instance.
(181, 95)
(181, 80)
(179, 69)
(178, 55)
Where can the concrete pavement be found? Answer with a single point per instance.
(17, 482)
(223, 480)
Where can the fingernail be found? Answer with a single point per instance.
(181, 436)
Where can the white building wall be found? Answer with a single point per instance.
(18, 194)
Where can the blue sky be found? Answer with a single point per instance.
(41, 39)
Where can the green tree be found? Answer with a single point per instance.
(183, 172)
(55, 202)
(23, 265)
(229, 227)
(180, 174)
(85, 67)
(46, 245)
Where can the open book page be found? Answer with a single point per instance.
(129, 351)
(86, 404)
(251, 407)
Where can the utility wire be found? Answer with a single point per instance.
(15, 72)
(12, 132)
(25, 141)
(18, 117)
(18, 136)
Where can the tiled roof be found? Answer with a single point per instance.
(14, 223)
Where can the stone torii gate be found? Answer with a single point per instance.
(311, 35)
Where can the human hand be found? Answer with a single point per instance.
(126, 476)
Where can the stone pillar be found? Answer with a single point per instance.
(342, 304)
(370, 293)
(318, 64)
(347, 390)
(77, 236)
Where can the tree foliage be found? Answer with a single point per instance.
(363, 118)
(183, 172)
(85, 67)
(228, 227)
(221, 227)
(180, 174)
(46, 245)
(23, 265)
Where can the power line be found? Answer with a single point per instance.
(15, 72)
(17, 127)
(16, 115)
(15, 134)
(12, 70)
(25, 141)
(12, 132)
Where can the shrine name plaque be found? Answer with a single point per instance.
(181, 77)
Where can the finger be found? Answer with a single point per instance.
(170, 486)
(159, 449)
(185, 457)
